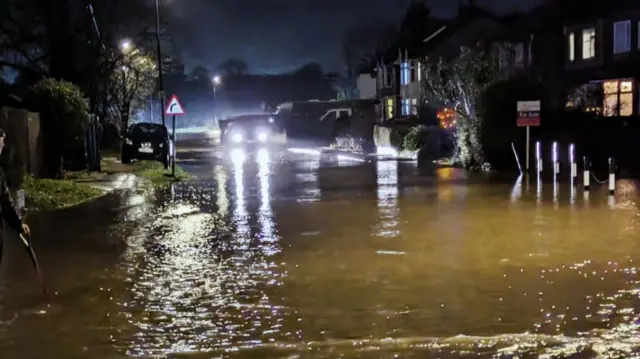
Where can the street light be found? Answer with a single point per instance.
(217, 80)
(125, 45)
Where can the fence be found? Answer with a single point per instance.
(23, 144)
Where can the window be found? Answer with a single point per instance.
(388, 77)
(413, 76)
(618, 98)
(414, 106)
(406, 107)
(621, 37)
(588, 44)
(572, 47)
(389, 108)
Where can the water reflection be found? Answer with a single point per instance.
(222, 196)
(307, 179)
(240, 215)
(387, 194)
(265, 215)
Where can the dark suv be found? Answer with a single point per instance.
(147, 141)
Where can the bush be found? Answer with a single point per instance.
(63, 115)
(497, 113)
(418, 138)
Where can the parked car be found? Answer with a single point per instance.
(147, 141)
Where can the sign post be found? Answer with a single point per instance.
(528, 115)
(174, 108)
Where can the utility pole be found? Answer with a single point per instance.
(160, 80)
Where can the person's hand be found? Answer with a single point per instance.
(24, 230)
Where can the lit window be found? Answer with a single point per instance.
(621, 37)
(588, 44)
(406, 107)
(389, 108)
(618, 98)
(572, 47)
(414, 106)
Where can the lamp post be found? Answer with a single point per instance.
(216, 81)
(160, 80)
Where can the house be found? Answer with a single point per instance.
(604, 54)
(399, 77)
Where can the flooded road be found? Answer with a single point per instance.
(283, 255)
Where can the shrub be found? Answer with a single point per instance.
(416, 139)
(63, 115)
(497, 113)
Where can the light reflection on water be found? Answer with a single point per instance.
(387, 195)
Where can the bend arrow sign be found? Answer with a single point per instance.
(174, 107)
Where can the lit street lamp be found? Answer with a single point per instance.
(125, 45)
(217, 80)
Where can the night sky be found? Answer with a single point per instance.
(280, 35)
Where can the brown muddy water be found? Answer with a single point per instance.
(278, 255)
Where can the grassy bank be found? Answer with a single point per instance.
(49, 194)
(79, 186)
(156, 174)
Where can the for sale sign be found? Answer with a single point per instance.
(528, 113)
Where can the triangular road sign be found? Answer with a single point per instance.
(174, 107)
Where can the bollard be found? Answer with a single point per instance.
(586, 170)
(538, 157)
(612, 175)
(556, 164)
(572, 162)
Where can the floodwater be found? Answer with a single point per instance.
(280, 255)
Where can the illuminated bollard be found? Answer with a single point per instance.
(572, 163)
(586, 171)
(612, 175)
(538, 157)
(556, 164)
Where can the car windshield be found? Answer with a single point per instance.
(249, 122)
(148, 130)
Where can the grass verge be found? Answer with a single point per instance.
(49, 194)
(156, 174)
(79, 186)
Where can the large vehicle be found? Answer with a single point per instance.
(147, 141)
(321, 121)
(246, 129)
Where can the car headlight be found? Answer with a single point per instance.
(128, 141)
(237, 137)
(263, 136)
